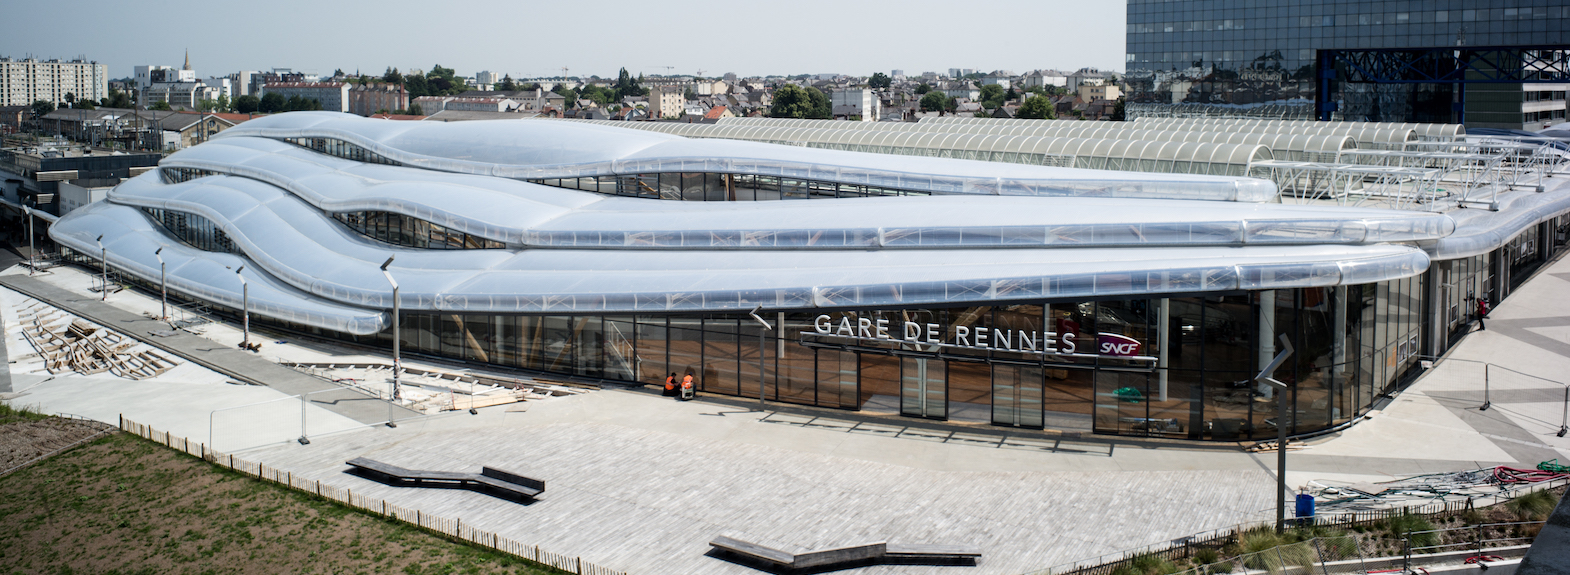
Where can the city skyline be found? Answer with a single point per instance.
(585, 42)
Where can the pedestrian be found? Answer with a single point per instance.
(686, 387)
(670, 385)
(1482, 312)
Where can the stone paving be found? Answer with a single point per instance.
(640, 483)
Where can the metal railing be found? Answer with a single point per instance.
(1483, 537)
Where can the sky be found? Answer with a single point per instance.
(536, 39)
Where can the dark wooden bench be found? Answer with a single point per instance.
(820, 560)
(487, 480)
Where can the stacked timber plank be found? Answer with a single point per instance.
(70, 345)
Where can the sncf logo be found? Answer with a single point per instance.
(1114, 344)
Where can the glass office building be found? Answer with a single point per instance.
(973, 292)
(1231, 57)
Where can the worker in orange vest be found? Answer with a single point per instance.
(670, 385)
(686, 387)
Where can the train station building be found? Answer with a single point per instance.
(956, 270)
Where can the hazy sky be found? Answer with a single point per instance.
(528, 39)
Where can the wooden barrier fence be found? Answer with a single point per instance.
(446, 526)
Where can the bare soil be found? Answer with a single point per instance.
(119, 505)
(24, 439)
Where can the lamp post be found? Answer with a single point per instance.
(245, 309)
(397, 360)
(163, 284)
(1265, 377)
(761, 344)
(32, 264)
(103, 260)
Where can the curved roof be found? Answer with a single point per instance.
(543, 149)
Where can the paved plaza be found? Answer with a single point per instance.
(641, 483)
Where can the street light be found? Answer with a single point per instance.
(103, 259)
(163, 283)
(397, 336)
(1281, 427)
(32, 264)
(761, 346)
(245, 309)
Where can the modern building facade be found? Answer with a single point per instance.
(1232, 57)
(960, 290)
(28, 80)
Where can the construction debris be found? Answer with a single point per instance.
(67, 344)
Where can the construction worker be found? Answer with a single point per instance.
(686, 387)
(670, 385)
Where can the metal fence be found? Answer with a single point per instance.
(447, 526)
(1186, 547)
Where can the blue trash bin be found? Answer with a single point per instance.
(1305, 505)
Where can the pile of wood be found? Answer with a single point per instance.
(72, 345)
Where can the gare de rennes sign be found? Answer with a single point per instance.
(1066, 340)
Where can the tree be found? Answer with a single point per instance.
(1117, 110)
(85, 104)
(507, 85)
(42, 108)
(69, 99)
(247, 104)
(934, 101)
(116, 99)
(416, 86)
(224, 105)
(1012, 95)
(626, 86)
(568, 95)
(161, 105)
(1037, 108)
(688, 94)
(922, 88)
(991, 96)
(392, 76)
(790, 101)
(414, 110)
(207, 105)
(272, 103)
(600, 96)
(879, 81)
(821, 109)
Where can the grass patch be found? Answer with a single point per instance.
(124, 505)
(9, 414)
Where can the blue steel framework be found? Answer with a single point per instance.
(1453, 66)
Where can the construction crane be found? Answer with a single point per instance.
(700, 72)
(564, 73)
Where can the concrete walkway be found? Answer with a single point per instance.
(241, 365)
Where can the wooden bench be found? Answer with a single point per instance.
(774, 560)
(487, 480)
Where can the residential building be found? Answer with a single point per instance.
(1044, 78)
(220, 88)
(666, 102)
(1002, 81)
(486, 77)
(179, 95)
(334, 96)
(858, 104)
(367, 99)
(12, 117)
(28, 80)
(1098, 91)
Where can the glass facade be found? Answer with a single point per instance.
(341, 149)
(1176, 367)
(407, 231)
(201, 233)
(719, 187)
(1249, 57)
